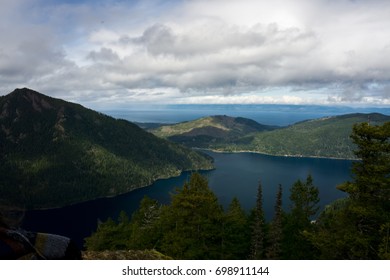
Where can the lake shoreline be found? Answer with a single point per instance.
(122, 193)
(273, 155)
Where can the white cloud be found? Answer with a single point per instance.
(221, 51)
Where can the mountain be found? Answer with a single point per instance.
(210, 131)
(324, 137)
(54, 153)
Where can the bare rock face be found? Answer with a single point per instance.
(37, 100)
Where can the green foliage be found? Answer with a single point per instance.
(334, 234)
(141, 232)
(257, 250)
(109, 236)
(304, 197)
(235, 233)
(372, 180)
(360, 226)
(384, 249)
(145, 227)
(192, 224)
(54, 153)
(275, 235)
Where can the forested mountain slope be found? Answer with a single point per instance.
(53, 153)
(325, 137)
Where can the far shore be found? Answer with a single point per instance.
(268, 154)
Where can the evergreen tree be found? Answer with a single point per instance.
(258, 228)
(304, 197)
(361, 224)
(370, 191)
(141, 232)
(372, 180)
(236, 232)
(384, 250)
(110, 235)
(145, 228)
(275, 233)
(192, 224)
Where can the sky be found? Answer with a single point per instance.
(117, 53)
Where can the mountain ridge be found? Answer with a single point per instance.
(55, 153)
(212, 129)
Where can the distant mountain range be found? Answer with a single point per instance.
(54, 153)
(324, 137)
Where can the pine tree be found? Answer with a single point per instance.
(304, 197)
(258, 228)
(275, 233)
(370, 191)
(384, 249)
(357, 227)
(236, 233)
(110, 235)
(192, 224)
(145, 225)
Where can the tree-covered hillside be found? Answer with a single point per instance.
(213, 131)
(54, 153)
(324, 137)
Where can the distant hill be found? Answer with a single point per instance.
(324, 137)
(210, 131)
(54, 153)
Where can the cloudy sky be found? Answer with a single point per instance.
(109, 54)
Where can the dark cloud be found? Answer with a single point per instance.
(104, 55)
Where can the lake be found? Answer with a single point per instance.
(236, 175)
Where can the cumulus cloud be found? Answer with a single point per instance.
(217, 58)
(248, 51)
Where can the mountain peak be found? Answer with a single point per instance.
(23, 99)
(26, 93)
(24, 90)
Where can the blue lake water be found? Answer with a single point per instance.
(235, 175)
